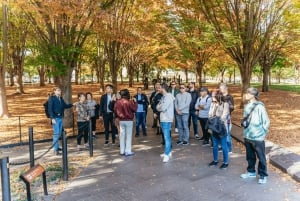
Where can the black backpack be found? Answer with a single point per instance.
(46, 107)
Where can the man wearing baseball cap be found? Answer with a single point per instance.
(254, 136)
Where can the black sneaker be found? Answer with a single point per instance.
(137, 135)
(224, 166)
(185, 143)
(179, 142)
(106, 143)
(205, 143)
(213, 163)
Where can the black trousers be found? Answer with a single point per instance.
(206, 135)
(108, 120)
(256, 149)
(83, 131)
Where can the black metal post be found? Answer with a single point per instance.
(31, 147)
(91, 139)
(5, 180)
(45, 183)
(20, 130)
(65, 156)
(28, 191)
(73, 123)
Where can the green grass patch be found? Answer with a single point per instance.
(282, 87)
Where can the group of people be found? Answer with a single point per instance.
(185, 106)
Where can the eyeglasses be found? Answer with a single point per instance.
(182, 87)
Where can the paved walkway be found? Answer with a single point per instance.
(187, 176)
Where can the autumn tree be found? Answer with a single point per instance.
(243, 28)
(193, 35)
(62, 28)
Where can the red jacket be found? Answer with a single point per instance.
(125, 109)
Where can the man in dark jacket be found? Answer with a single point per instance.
(106, 114)
(193, 116)
(141, 112)
(56, 108)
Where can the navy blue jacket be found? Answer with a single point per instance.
(195, 95)
(57, 107)
(144, 101)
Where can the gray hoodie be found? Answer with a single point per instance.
(183, 101)
(166, 108)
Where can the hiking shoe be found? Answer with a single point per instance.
(179, 142)
(248, 175)
(197, 137)
(130, 154)
(262, 180)
(166, 158)
(213, 163)
(205, 143)
(224, 166)
(185, 143)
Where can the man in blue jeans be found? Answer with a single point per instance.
(140, 114)
(56, 107)
(166, 108)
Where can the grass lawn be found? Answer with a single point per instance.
(283, 87)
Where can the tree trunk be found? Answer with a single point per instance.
(265, 84)
(11, 78)
(66, 88)
(245, 76)
(199, 68)
(186, 75)
(130, 72)
(42, 72)
(76, 75)
(3, 100)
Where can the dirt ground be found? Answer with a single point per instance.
(283, 109)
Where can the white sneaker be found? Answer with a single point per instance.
(79, 147)
(176, 130)
(262, 180)
(87, 146)
(248, 175)
(163, 154)
(166, 159)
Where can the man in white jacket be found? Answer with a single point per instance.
(166, 108)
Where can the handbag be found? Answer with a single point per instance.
(245, 122)
(217, 126)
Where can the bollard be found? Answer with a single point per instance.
(65, 156)
(91, 139)
(5, 180)
(31, 147)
